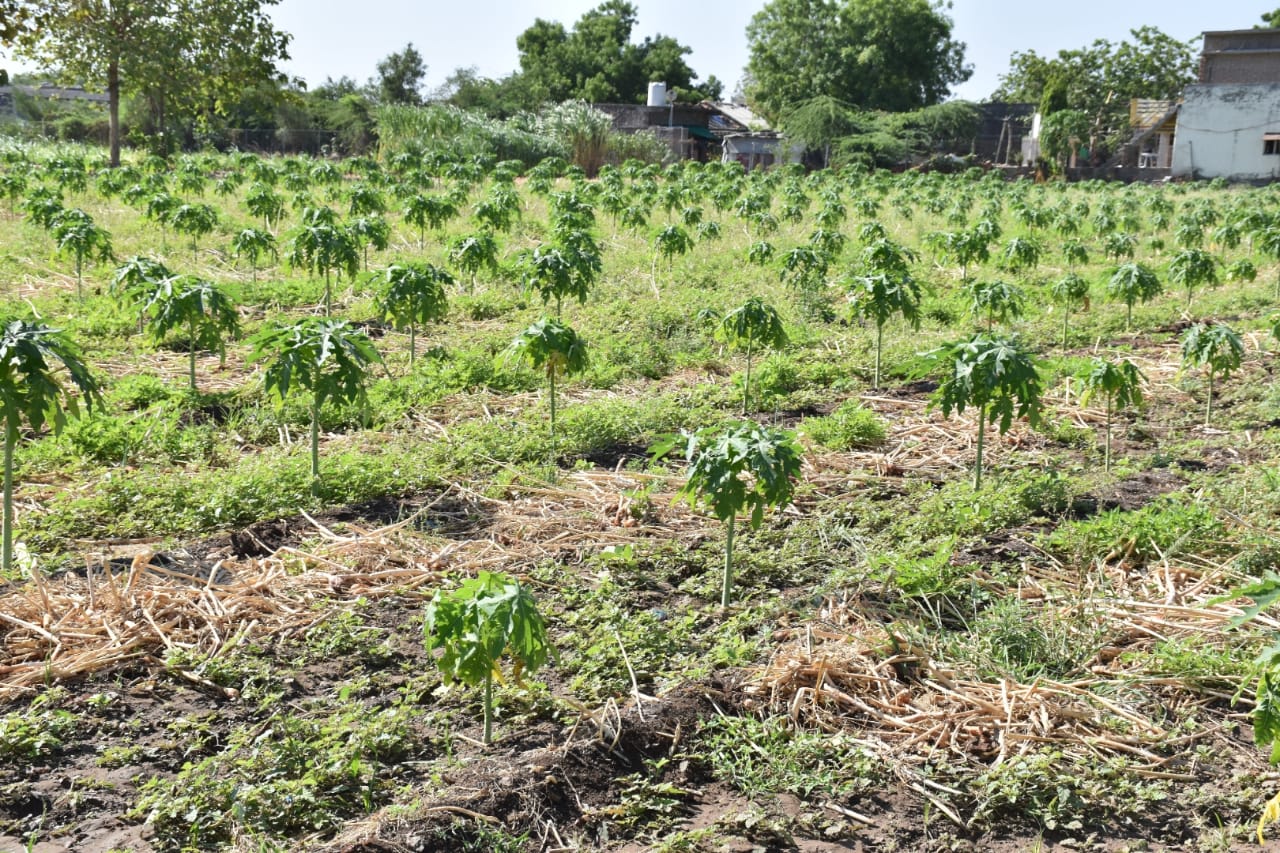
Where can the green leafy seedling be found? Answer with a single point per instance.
(31, 393)
(996, 376)
(744, 467)
(200, 308)
(1120, 382)
(326, 357)
(1132, 283)
(556, 349)
(750, 325)
(1215, 347)
(476, 625)
(414, 294)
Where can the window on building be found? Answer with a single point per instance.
(1271, 143)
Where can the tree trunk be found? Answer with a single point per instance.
(315, 444)
(113, 111)
(875, 380)
(551, 468)
(488, 708)
(192, 353)
(982, 433)
(1107, 457)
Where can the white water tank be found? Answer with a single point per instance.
(657, 95)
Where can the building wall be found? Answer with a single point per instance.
(1241, 56)
(1220, 132)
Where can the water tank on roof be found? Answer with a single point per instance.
(657, 95)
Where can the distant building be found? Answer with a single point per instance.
(1229, 122)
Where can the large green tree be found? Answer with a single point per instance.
(1100, 79)
(894, 55)
(400, 77)
(596, 60)
(187, 58)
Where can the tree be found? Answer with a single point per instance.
(322, 246)
(474, 252)
(414, 294)
(996, 376)
(198, 307)
(255, 244)
(752, 324)
(476, 625)
(1099, 80)
(745, 467)
(194, 220)
(997, 300)
(554, 348)
(1217, 348)
(1120, 382)
(670, 241)
(894, 55)
(1270, 20)
(326, 357)
(400, 77)
(187, 58)
(31, 393)
(596, 61)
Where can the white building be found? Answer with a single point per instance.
(1229, 123)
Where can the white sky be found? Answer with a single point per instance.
(332, 38)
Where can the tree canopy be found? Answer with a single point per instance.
(893, 55)
(186, 58)
(400, 77)
(596, 61)
(1099, 80)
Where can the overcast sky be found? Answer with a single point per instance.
(332, 38)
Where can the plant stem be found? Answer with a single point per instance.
(551, 462)
(746, 384)
(10, 438)
(191, 355)
(327, 291)
(315, 444)
(982, 432)
(488, 708)
(1128, 316)
(1107, 457)
(875, 380)
(413, 344)
(1066, 316)
(1208, 406)
(727, 586)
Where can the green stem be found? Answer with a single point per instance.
(315, 444)
(413, 344)
(982, 433)
(551, 376)
(10, 439)
(1128, 316)
(875, 381)
(488, 708)
(726, 586)
(746, 384)
(191, 355)
(1208, 406)
(327, 293)
(1107, 457)
(1066, 316)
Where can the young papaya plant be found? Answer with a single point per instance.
(255, 244)
(327, 357)
(262, 201)
(471, 253)
(996, 376)
(670, 241)
(198, 307)
(322, 246)
(31, 392)
(369, 231)
(744, 467)
(195, 221)
(1132, 283)
(414, 294)
(487, 618)
(1120, 382)
(84, 239)
(135, 283)
(1215, 347)
(996, 300)
(554, 348)
(1192, 268)
(429, 211)
(750, 325)
(877, 297)
(1070, 293)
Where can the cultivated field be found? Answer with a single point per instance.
(205, 647)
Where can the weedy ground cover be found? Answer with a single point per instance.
(203, 646)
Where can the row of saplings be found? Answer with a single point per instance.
(743, 468)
